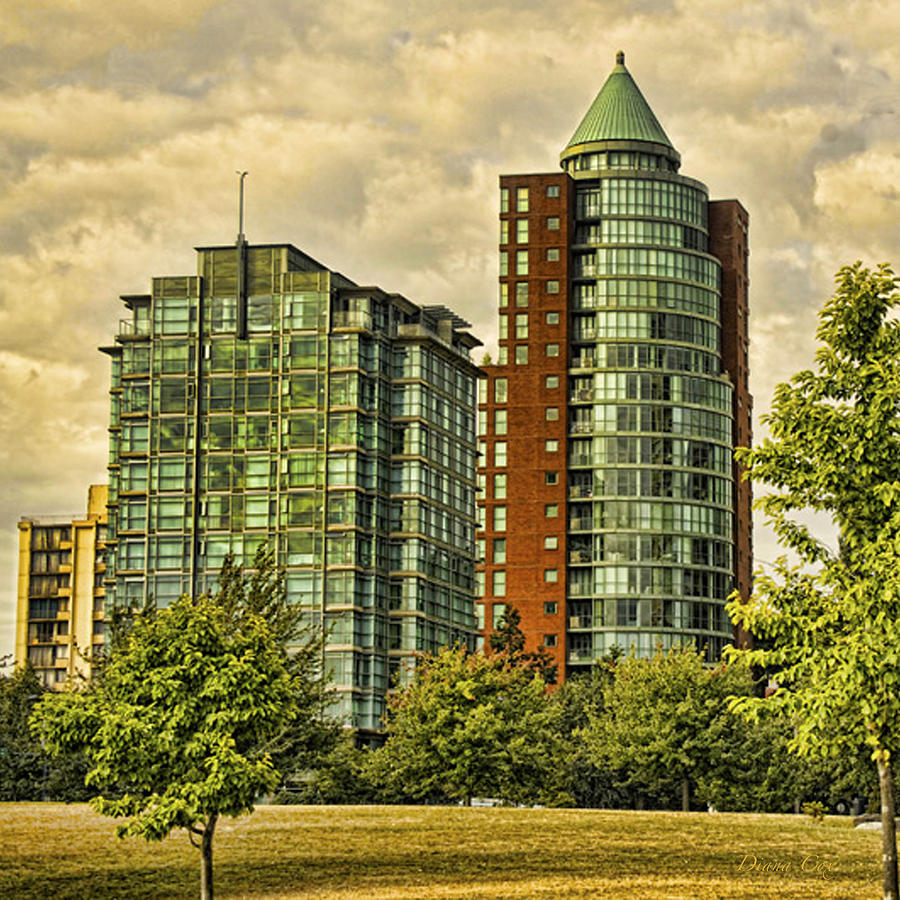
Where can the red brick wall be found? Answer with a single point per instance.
(528, 494)
(728, 225)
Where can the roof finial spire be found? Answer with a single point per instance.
(620, 58)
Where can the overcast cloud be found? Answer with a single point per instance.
(374, 132)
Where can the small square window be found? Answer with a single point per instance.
(553, 254)
(552, 318)
(521, 354)
(551, 446)
(551, 542)
(551, 414)
(551, 477)
(551, 381)
(553, 223)
(499, 550)
(521, 293)
(552, 350)
(552, 287)
(551, 510)
(552, 190)
(550, 608)
(551, 576)
(549, 640)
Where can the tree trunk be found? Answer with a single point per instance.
(888, 829)
(206, 865)
(685, 795)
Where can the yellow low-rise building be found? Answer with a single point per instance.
(60, 618)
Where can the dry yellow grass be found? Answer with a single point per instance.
(424, 853)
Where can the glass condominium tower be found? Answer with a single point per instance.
(269, 400)
(611, 511)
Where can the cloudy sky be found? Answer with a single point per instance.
(374, 132)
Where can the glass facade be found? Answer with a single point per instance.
(332, 423)
(650, 514)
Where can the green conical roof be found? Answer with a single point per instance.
(619, 113)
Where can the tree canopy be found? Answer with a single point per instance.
(191, 704)
(470, 725)
(652, 728)
(508, 639)
(830, 627)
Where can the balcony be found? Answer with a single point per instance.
(579, 590)
(584, 523)
(576, 622)
(582, 395)
(584, 361)
(351, 319)
(580, 655)
(128, 328)
(581, 427)
(580, 556)
(580, 491)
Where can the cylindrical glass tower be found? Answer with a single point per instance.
(650, 531)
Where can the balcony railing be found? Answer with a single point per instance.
(581, 621)
(351, 319)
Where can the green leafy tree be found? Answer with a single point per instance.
(651, 730)
(579, 699)
(508, 639)
(830, 627)
(192, 702)
(340, 777)
(27, 771)
(470, 725)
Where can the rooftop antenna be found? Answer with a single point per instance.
(241, 252)
(240, 236)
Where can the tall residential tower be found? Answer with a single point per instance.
(269, 400)
(611, 509)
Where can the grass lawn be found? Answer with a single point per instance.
(420, 853)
